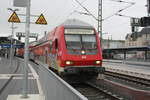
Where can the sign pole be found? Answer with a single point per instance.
(26, 58)
(11, 44)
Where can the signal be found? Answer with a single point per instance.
(145, 21)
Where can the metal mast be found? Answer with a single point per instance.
(26, 54)
(100, 20)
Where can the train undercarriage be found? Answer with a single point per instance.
(79, 74)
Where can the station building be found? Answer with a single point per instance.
(138, 39)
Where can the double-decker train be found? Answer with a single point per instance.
(71, 48)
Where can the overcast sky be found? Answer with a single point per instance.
(57, 11)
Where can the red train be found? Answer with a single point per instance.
(71, 48)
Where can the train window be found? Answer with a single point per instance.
(73, 41)
(89, 41)
(77, 42)
(81, 39)
(56, 44)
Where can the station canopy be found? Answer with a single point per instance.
(4, 40)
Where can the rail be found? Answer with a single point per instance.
(126, 72)
(54, 87)
(138, 63)
(93, 92)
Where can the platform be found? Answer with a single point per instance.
(11, 80)
(139, 63)
(134, 68)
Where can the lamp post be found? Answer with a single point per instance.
(26, 53)
(12, 27)
(13, 10)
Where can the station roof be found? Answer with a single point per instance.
(75, 23)
(4, 40)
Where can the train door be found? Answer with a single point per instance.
(54, 54)
(55, 47)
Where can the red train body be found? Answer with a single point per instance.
(74, 47)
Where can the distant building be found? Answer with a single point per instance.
(138, 38)
(113, 43)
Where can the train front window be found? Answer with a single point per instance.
(77, 42)
(89, 41)
(73, 41)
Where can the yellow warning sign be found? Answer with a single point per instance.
(14, 18)
(41, 20)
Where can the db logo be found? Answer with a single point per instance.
(60, 53)
(83, 57)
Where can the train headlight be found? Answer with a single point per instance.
(98, 62)
(68, 62)
(82, 52)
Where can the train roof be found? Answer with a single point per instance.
(75, 23)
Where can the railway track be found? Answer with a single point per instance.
(93, 92)
(136, 82)
(115, 86)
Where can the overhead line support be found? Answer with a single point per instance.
(100, 20)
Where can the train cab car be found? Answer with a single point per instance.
(76, 47)
(72, 48)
